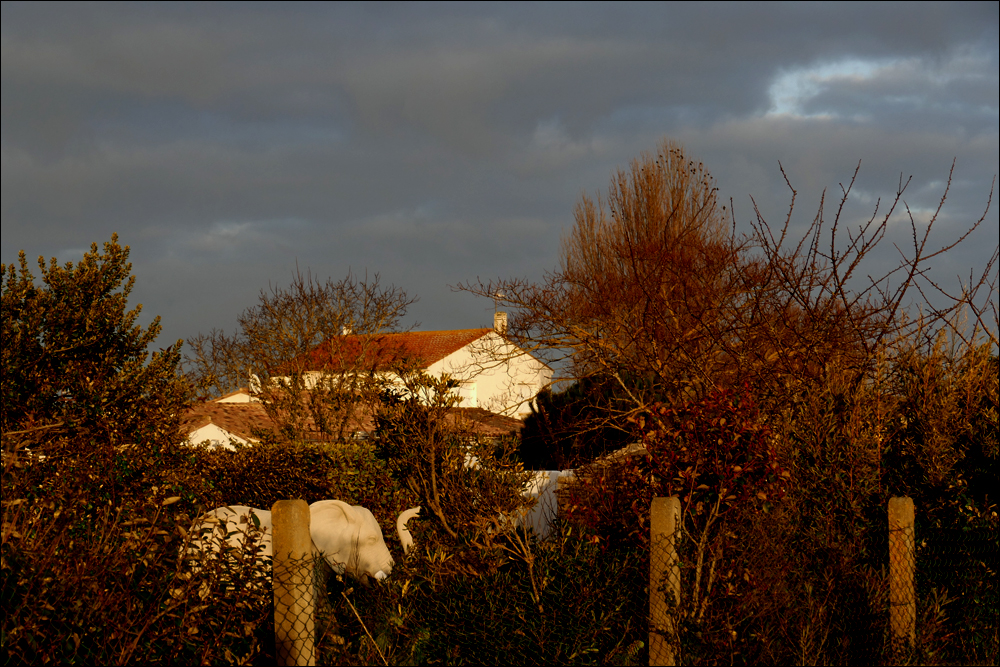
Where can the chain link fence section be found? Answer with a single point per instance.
(942, 609)
(959, 591)
(295, 610)
(890, 596)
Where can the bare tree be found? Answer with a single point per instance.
(658, 296)
(311, 352)
(642, 301)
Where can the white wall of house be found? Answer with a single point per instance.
(542, 489)
(495, 375)
(238, 396)
(212, 436)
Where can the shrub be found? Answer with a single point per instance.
(104, 585)
(591, 612)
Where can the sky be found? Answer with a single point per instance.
(439, 144)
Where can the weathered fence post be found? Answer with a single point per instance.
(294, 621)
(902, 560)
(664, 580)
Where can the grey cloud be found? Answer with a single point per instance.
(437, 143)
(918, 91)
(820, 155)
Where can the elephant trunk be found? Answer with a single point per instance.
(404, 535)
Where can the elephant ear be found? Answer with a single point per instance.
(349, 511)
(334, 525)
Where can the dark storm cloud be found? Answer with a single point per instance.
(434, 143)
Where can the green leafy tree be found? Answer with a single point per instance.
(92, 515)
(462, 479)
(74, 359)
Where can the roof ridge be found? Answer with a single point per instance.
(428, 347)
(434, 331)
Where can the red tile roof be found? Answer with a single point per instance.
(424, 347)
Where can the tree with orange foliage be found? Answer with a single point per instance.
(766, 375)
(658, 296)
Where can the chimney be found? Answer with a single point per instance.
(500, 323)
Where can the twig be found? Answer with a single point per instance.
(33, 428)
(358, 616)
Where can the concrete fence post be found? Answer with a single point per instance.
(664, 581)
(294, 620)
(902, 561)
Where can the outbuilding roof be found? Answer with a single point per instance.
(242, 419)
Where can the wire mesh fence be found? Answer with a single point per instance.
(295, 586)
(958, 594)
(934, 599)
(664, 581)
(902, 562)
(591, 608)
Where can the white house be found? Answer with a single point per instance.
(493, 373)
(497, 380)
(239, 396)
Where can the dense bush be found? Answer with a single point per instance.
(74, 359)
(590, 611)
(262, 474)
(715, 453)
(104, 585)
(97, 493)
(464, 482)
(787, 564)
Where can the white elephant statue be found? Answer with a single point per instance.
(348, 537)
